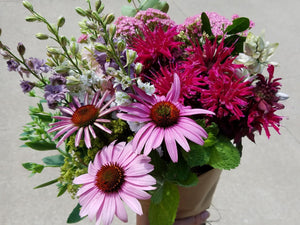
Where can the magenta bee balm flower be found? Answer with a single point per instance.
(82, 119)
(117, 174)
(165, 119)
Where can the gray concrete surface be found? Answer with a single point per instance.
(264, 190)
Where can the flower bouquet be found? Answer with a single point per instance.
(139, 109)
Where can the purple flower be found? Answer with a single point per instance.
(57, 79)
(26, 86)
(38, 65)
(54, 94)
(13, 65)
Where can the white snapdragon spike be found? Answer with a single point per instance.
(122, 98)
(257, 53)
(147, 87)
(122, 79)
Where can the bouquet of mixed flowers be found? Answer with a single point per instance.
(140, 105)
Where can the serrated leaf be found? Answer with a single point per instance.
(33, 167)
(206, 24)
(74, 216)
(41, 145)
(54, 160)
(238, 25)
(224, 155)
(43, 117)
(197, 156)
(164, 213)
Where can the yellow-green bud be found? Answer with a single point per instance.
(121, 44)
(61, 21)
(52, 29)
(101, 8)
(130, 56)
(91, 25)
(138, 68)
(41, 36)
(109, 19)
(74, 48)
(100, 47)
(80, 11)
(62, 69)
(112, 30)
(63, 40)
(31, 18)
(21, 49)
(28, 5)
(98, 4)
(53, 51)
(96, 16)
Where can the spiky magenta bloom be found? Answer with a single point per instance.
(262, 111)
(203, 58)
(225, 95)
(117, 174)
(155, 46)
(189, 80)
(82, 119)
(165, 119)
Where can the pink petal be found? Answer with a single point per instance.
(171, 145)
(120, 210)
(66, 110)
(138, 168)
(92, 131)
(85, 188)
(95, 205)
(83, 179)
(191, 136)
(180, 139)
(102, 127)
(95, 98)
(100, 102)
(143, 136)
(154, 139)
(144, 96)
(135, 192)
(192, 126)
(131, 202)
(110, 208)
(146, 180)
(133, 118)
(174, 92)
(86, 99)
(76, 101)
(68, 134)
(78, 136)
(87, 138)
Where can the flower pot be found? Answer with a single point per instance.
(193, 200)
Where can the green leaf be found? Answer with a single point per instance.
(238, 25)
(180, 173)
(74, 216)
(198, 155)
(238, 42)
(41, 145)
(146, 4)
(54, 160)
(62, 189)
(43, 117)
(47, 183)
(164, 213)
(128, 11)
(162, 6)
(33, 167)
(157, 195)
(206, 24)
(224, 155)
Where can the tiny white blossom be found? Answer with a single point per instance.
(147, 87)
(122, 98)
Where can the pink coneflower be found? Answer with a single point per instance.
(82, 119)
(117, 174)
(165, 119)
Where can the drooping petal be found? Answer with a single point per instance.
(132, 202)
(171, 145)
